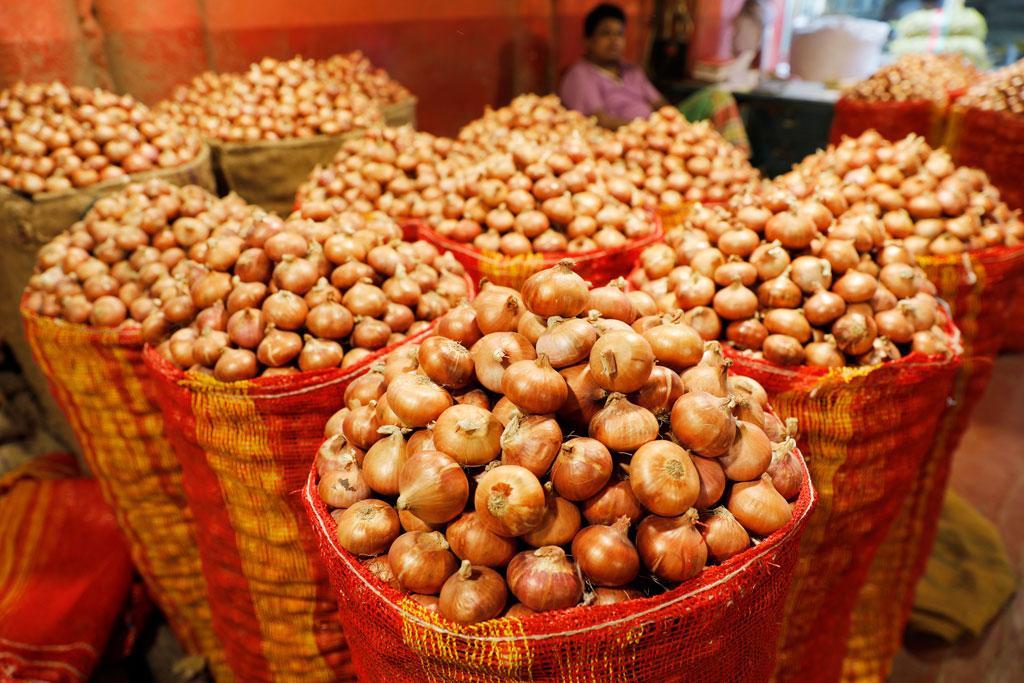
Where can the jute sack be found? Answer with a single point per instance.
(26, 224)
(400, 113)
(269, 172)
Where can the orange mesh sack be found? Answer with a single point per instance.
(979, 288)
(865, 432)
(245, 450)
(599, 267)
(719, 626)
(893, 120)
(99, 380)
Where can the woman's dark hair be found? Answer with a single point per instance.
(601, 12)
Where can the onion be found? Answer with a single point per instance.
(468, 434)
(723, 535)
(605, 554)
(582, 468)
(509, 500)
(497, 351)
(660, 392)
(472, 594)
(585, 396)
(471, 541)
(545, 579)
(557, 291)
(368, 527)
(613, 501)
(531, 441)
(558, 526)
(675, 345)
(621, 361)
(567, 342)
(459, 324)
(421, 561)
(672, 547)
(534, 386)
(497, 308)
(612, 302)
(433, 487)
(447, 362)
(384, 461)
(664, 478)
(343, 486)
(703, 423)
(623, 426)
(416, 400)
(759, 507)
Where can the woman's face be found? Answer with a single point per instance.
(608, 42)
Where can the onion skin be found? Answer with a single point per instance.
(509, 500)
(672, 547)
(703, 423)
(556, 291)
(472, 594)
(531, 441)
(612, 502)
(621, 361)
(723, 535)
(749, 455)
(664, 479)
(433, 487)
(623, 426)
(368, 527)
(605, 554)
(545, 579)
(759, 507)
(470, 435)
(471, 540)
(581, 469)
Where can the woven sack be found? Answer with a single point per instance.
(245, 449)
(599, 266)
(26, 224)
(866, 432)
(720, 626)
(979, 287)
(99, 380)
(269, 172)
(402, 113)
(893, 120)
(994, 142)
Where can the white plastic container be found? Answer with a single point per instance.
(837, 48)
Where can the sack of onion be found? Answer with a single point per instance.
(800, 287)
(60, 149)
(264, 151)
(83, 310)
(297, 311)
(454, 501)
(969, 244)
(908, 96)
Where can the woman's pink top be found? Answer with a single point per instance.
(589, 89)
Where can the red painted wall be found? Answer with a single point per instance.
(457, 56)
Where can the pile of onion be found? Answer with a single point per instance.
(813, 281)
(400, 171)
(915, 77)
(551, 448)
(538, 118)
(272, 100)
(354, 68)
(282, 297)
(922, 198)
(55, 138)
(676, 161)
(128, 262)
(1001, 90)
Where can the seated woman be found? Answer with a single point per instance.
(616, 92)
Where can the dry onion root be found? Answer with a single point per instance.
(626, 499)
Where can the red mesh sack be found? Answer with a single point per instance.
(67, 572)
(893, 120)
(866, 432)
(98, 379)
(979, 288)
(245, 450)
(719, 626)
(599, 266)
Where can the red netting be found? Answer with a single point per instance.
(599, 266)
(994, 142)
(245, 449)
(893, 120)
(866, 433)
(720, 626)
(979, 288)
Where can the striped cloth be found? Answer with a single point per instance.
(719, 107)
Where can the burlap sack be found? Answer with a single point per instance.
(400, 113)
(269, 172)
(26, 224)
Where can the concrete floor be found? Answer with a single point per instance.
(988, 470)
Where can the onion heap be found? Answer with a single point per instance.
(283, 297)
(125, 264)
(923, 198)
(676, 161)
(799, 281)
(400, 171)
(540, 119)
(915, 77)
(550, 448)
(272, 100)
(54, 138)
(354, 67)
(1001, 90)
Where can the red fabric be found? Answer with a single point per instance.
(894, 120)
(720, 626)
(994, 142)
(65, 572)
